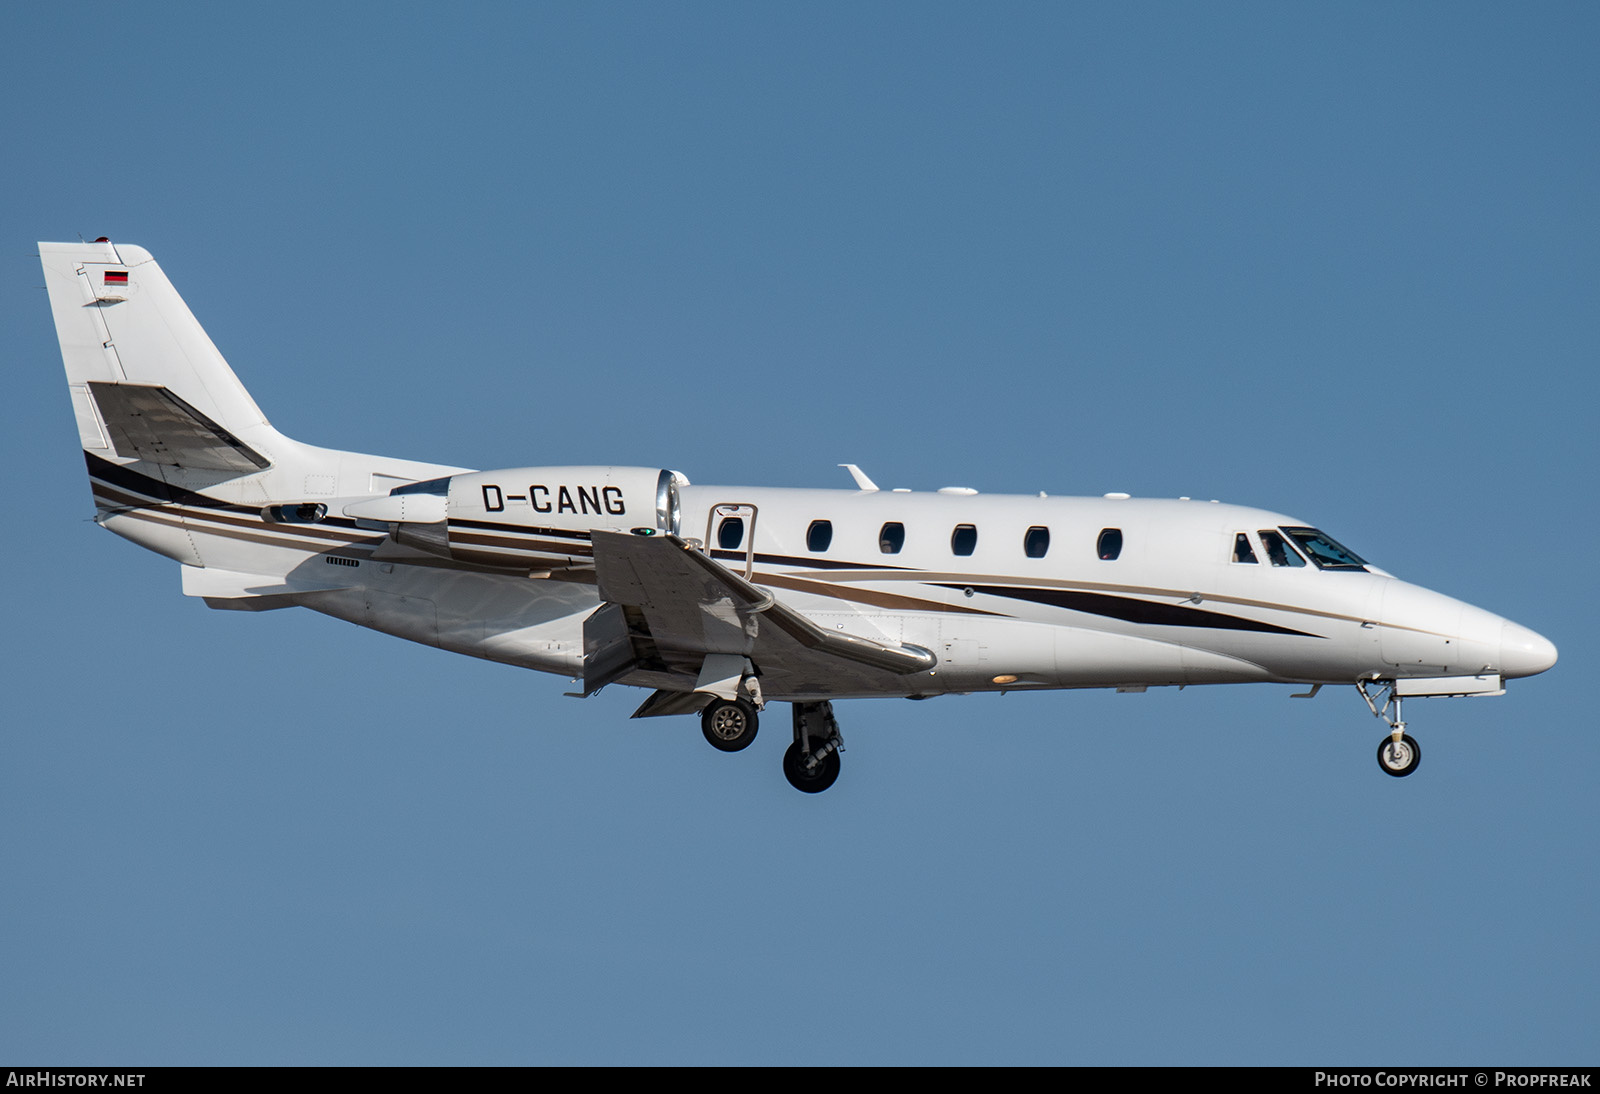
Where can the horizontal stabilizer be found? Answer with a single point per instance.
(251, 592)
(148, 422)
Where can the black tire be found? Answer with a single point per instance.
(814, 782)
(729, 726)
(1400, 759)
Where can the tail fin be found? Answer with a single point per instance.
(180, 458)
(147, 383)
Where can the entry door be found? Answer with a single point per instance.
(731, 534)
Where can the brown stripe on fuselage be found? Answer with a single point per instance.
(890, 601)
(322, 536)
(235, 521)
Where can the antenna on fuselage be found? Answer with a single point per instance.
(860, 476)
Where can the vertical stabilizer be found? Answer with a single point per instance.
(180, 458)
(130, 346)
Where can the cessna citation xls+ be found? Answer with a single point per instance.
(722, 599)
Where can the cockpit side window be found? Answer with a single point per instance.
(1324, 551)
(1279, 553)
(1242, 551)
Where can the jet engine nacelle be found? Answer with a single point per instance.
(527, 517)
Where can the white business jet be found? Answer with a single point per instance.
(722, 599)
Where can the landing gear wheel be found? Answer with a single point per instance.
(729, 725)
(1399, 759)
(810, 782)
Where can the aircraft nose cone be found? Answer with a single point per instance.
(1523, 652)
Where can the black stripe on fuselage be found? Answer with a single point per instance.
(1133, 610)
(148, 492)
(519, 529)
(1129, 609)
(161, 493)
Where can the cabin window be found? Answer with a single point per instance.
(1036, 542)
(964, 540)
(892, 537)
(819, 535)
(1279, 553)
(730, 533)
(1242, 551)
(1324, 551)
(1109, 545)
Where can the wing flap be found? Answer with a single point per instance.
(662, 703)
(694, 605)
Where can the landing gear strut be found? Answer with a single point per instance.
(812, 763)
(1398, 753)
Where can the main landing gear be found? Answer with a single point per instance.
(729, 724)
(1398, 753)
(812, 763)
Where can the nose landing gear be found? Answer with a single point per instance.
(1399, 757)
(1398, 753)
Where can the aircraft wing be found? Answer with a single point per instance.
(671, 609)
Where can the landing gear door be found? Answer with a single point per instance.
(731, 535)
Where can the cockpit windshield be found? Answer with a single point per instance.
(1324, 550)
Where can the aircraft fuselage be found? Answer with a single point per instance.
(723, 598)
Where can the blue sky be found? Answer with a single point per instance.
(1336, 261)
